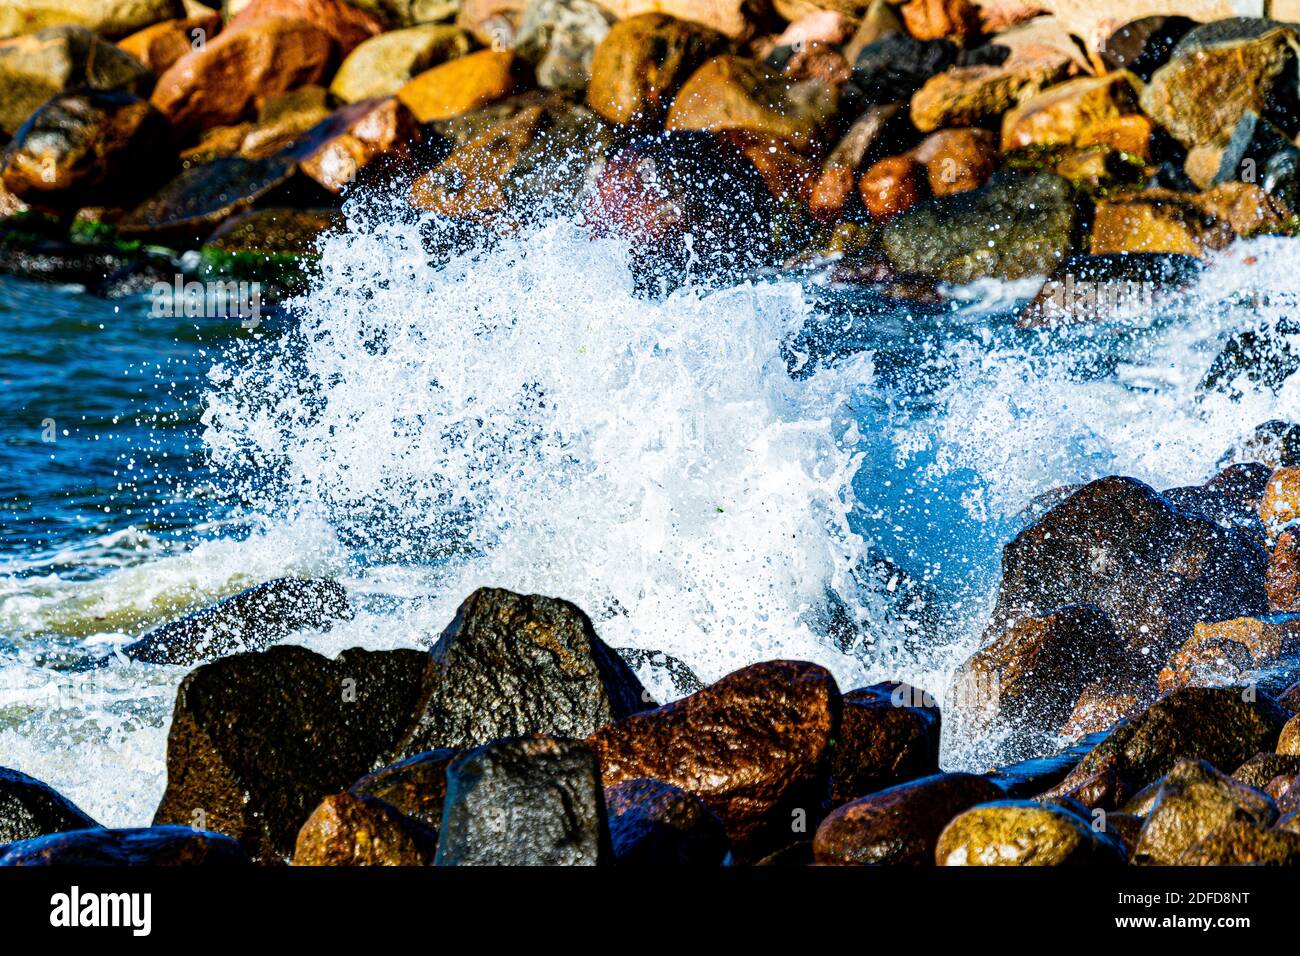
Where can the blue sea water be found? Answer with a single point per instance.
(780, 468)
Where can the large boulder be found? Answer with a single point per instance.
(1025, 833)
(527, 801)
(889, 734)
(223, 81)
(511, 664)
(89, 148)
(642, 62)
(1154, 570)
(161, 45)
(384, 64)
(559, 37)
(252, 620)
(754, 746)
(1203, 92)
(900, 825)
(652, 823)
(1011, 228)
(258, 740)
(35, 68)
(1244, 843)
(1193, 801)
(145, 846)
(1222, 725)
(460, 85)
(1228, 652)
(109, 18)
(349, 830)
(29, 809)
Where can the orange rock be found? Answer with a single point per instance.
(162, 44)
(819, 62)
(1161, 220)
(979, 95)
(355, 136)
(346, 830)
(957, 160)
(223, 82)
(941, 19)
(830, 193)
(892, 185)
(728, 17)
(1094, 110)
(1098, 708)
(1284, 573)
(1281, 503)
(788, 174)
(463, 84)
(1226, 651)
(348, 26)
(468, 184)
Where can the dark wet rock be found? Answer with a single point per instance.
(683, 680)
(1289, 698)
(527, 801)
(1230, 651)
(145, 846)
(1025, 833)
(1032, 776)
(349, 830)
(42, 259)
(1231, 498)
(89, 148)
(889, 734)
(799, 853)
(1145, 45)
(897, 65)
(1088, 288)
(511, 664)
(251, 620)
(1194, 800)
(1124, 828)
(1260, 769)
(190, 206)
(276, 247)
(900, 825)
(36, 67)
(1013, 227)
(659, 190)
(1284, 572)
(337, 150)
(258, 740)
(1028, 677)
(29, 809)
(416, 786)
(754, 746)
(1259, 152)
(1288, 742)
(652, 823)
(1260, 358)
(1156, 571)
(1274, 443)
(1222, 725)
(1244, 843)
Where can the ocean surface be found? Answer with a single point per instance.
(780, 468)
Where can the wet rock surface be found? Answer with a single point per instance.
(1025, 833)
(147, 846)
(652, 823)
(349, 830)
(30, 809)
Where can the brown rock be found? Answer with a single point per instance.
(1244, 843)
(463, 84)
(893, 185)
(1193, 801)
(282, 119)
(834, 186)
(347, 830)
(979, 95)
(1161, 220)
(416, 787)
(753, 746)
(1085, 112)
(1283, 580)
(957, 160)
(1099, 707)
(788, 173)
(956, 20)
(384, 64)
(900, 825)
(162, 44)
(889, 734)
(641, 64)
(728, 17)
(493, 23)
(336, 150)
(734, 93)
(1289, 740)
(1281, 502)
(225, 81)
(348, 26)
(1264, 767)
(1227, 651)
(1024, 833)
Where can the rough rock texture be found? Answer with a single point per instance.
(161, 45)
(1281, 502)
(336, 151)
(1025, 833)
(29, 809)
(348, 830)
(1084, 112)
(1244, 843)
(900, 825)
(510, 664)
(1283, 581)
(754, 746)
(1223, 725)
(1167, 221)
(642, 63)
(34, 68)
(258, 740)
(460, 85)
(1262, 768)
(1228, 651)
(652, 823)
(1011, 228)
(146, 846)
(251, 620)
(980, 94)
(889, 734)
(1194, 800)
(527, 801)
(1156, 571)
(416, 786)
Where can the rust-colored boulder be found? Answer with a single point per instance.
(224, 82)
(1193, 801)
(1085, 112)
(334, 151)
(941, 19)
(348, 26)
(1283, 580)
(957, 160)
(889, 734)
(1288, 742)
(347, 830)
(1228, 651)
(642, 63)
(901, 825)
(754, 746)
(162, 44)
(978, 95)
(463, 84)
(416, 786)
(893, 185)
(1099, 707)
(1281, 501)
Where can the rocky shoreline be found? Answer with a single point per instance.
(1148, 642)
(897, 145)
